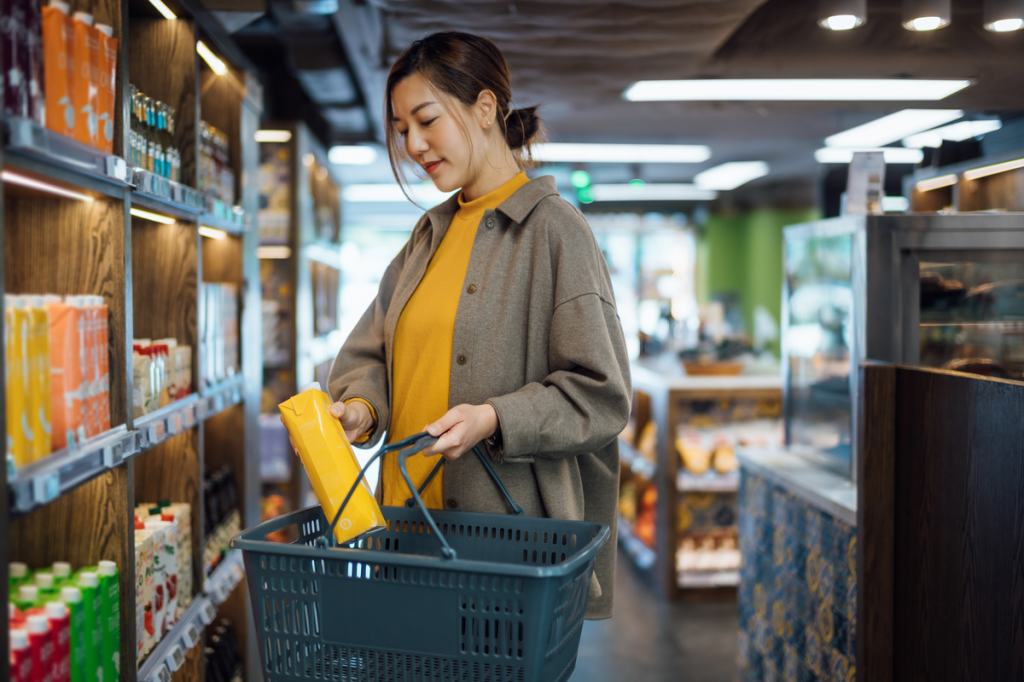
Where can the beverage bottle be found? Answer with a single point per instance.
(17, 573)
(21, 656)
(61, 573)
(60, 628)
(72, 598)
(41, 644)
(110, 593)
(88, 584)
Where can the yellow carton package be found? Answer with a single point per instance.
(329, 462)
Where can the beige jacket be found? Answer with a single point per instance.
(536, 336)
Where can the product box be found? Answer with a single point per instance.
(145, 586)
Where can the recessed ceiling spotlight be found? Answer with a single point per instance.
(1003, 16)
(925, 15)
(842, 15)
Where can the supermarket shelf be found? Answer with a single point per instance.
(159, 425)
(637, 463)
(641, 554)
(704, 579)
(710, 482)
(167, 194)
(169, 654)
(229, 390)
(229, 226)
(44, 481)
(324, 348)
(42, 152)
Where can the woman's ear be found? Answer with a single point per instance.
(486, 108)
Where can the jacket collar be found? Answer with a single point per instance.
(517, 207)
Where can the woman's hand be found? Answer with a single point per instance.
(460, 429)
(355, 418)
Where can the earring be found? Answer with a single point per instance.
(488, 123)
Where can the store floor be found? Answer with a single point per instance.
(651, 640)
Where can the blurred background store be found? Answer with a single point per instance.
(782, 189)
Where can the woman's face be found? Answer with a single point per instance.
(433, 137)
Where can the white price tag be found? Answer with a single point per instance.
(152, 434)
(207, 613)
(218, 402)
(191, 636)
(174, 423)
(162, 674)
(201, 409)
(46, 488)
(175, 657)
(190, 416)
(236, 396)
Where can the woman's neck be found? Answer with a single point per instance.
(494, 173)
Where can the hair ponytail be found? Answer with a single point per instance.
(522, 128)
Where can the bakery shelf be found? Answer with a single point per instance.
(637, 549)
(636, 462)
(706, 579)
(710, 482)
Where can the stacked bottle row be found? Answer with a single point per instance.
(222, 660)
(60, 70)
(216, 177)
(152, 137)
(223, 520)
(64, 626)
(58, 373)
(162, 373)
(163, 570)
(220, 333)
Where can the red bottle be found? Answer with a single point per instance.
(21, 657)
(60, 629)
(41, 644)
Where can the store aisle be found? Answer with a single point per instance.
(651, 640)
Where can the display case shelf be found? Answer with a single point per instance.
(229, 226)
(708, 579)
(636, 462)
(708, 483)
(642, 555)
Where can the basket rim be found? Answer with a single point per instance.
(245, 541)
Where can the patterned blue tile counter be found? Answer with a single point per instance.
(798, 578)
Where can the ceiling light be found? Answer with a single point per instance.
(424, 193)
(155, 217)
(212, 232)
(649, 192)
(308, 159)
(621, 153)
(794, 90)
(892, 154)
(273, 135)
(211, 59)
(955, 132)
(352, 155)
(731, 175)
(841, 15)
(24, 181)
(1002, 16)
(895, 204)
(163, 9)
(273, 252)
(935, 183)
(925, 15)
(892, 128)
(993, 169)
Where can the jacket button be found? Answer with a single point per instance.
(471, 289)
(461, 359)
(452, 504)
(490, 222)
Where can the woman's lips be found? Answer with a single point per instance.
(431, 167)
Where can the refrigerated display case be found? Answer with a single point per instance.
(944, 291)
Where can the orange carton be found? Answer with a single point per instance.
(39, 376)
(103, 346)
(58, 69)
(107, 71)
(16, 333)
(67, 362)
(85, 83)
(329, 462)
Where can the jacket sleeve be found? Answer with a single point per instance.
(584, 402)
(360, 369)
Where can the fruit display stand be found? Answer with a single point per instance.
(77, 221)
(679, 477)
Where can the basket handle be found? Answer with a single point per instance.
(516, 509)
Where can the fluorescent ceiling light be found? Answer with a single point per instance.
(993, 169)
(892, 128)
(163, 9)
(794, 90)
(273, 252)
(24, 181)
(352, 155)
(273, 135)
(895, 204)
(424, 193)
(212, 232)
(645, 192)
(621, 153)
(935, 183)
(955, 132)
(210, 58)
(1005, 25)
(155, 217)
(731, 175)
(892, 154)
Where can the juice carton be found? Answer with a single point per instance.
(103, 345)
(142, 388)
(88, 584)
(39, 377)
(67, 363)
(329, 462)
(17, 573)
(41, 644)
(72, 598)
(61, 573)
(26, 598)
(60, 629)
(48, 589)
(107, 67)
(58, 68)
(15, 58)
(85, 84)
(110, 593)
(21, 656)
(165, 557)
(19, 431)
(145, 581)
(181, 514)
(92, 371)
(183, 363)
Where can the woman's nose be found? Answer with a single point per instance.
(416, 143)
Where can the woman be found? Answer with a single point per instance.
(496, 322)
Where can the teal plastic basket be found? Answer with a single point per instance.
(434, 597)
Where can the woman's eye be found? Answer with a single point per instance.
(427, 123)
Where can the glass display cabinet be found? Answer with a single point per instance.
(943, 291)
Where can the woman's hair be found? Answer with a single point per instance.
(460, 66)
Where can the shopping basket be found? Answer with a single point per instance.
(434, 597)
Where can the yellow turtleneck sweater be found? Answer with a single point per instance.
(423, 347)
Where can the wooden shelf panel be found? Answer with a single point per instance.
(222, 260)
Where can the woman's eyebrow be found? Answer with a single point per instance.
(416, 108)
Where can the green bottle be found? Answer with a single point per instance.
(72, 597)
(110, 592)
(62, 575)
(48, 590)
(26, 598)
(88, 584)
(17, 575)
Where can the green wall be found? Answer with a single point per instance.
(742, 253)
